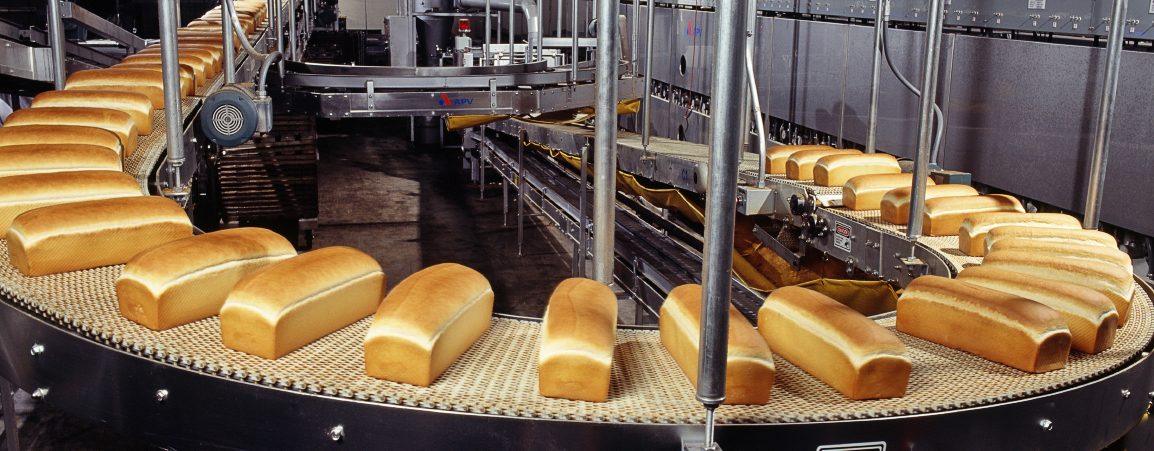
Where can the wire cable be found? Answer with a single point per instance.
(939, 120)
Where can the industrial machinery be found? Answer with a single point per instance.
(1026, 101)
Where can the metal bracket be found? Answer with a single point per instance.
(915, 267)
(493, 95)
(369, 90)
(774, 245)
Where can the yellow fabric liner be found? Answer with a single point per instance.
(868, 297)
(555, 117)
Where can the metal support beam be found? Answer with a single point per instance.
(583, 208)
(488, 32)
(174, 126)
(278, 30)
(575, 55)
(926, 119)
(520, 191)
(292, 25)
(647, 100)
(512, 29)
(11, 433)
(229, 49)
(605, 146)
(876, 76)
(1105, 117)
(56, 40)
(724, 154)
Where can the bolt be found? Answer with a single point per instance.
(40, 393)
(161, 395)
(1047, 425)
(337, 433)
(37, 349)
(1125, 394)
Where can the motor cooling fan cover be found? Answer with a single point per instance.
(229, 116)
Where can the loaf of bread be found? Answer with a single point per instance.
(114, 121)
(1105, 278)
(278, 309)
(972, 234)
(865, 192)
(20, 193)
(1050, 235)
(185, 280)
(135, 104)
(188, 78)
(212, 26)
(90, 234)
(577, 337)
(1090, 252)
(202, 67)
(426, 322)
(943, 216)
(836, 170)
(895, 204)
(799, 166)
(776, 156)
(60, 134)
(208, 54)
(749, 369)
(1090, 316)
(834, 343)
(996, 326)
(41, 158)
(147, 82)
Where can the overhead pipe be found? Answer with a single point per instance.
(876, 76)
(1105, 118)
(170, 74)
(647, 100)
(605, 144)
(528, 8)
(926, 119)
(56, 39)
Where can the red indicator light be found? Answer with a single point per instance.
(463, 26)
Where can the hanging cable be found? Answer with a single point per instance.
(938, 119)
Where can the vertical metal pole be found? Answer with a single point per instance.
(605, 145)
(512, 30)
(279, 32)
(926, 119)
(308, 24)
(520, 190)
(635, 35)
(724, 151)
(560, 15)
(759, 120)
(11, 434)
(56, 39)
(647, 100)
(576, 56)
(229, 48)
(292, 23)
(583, 207)
(876, 76)
(488, 33)
(170, 70)
(484, 152)
(1105, 117)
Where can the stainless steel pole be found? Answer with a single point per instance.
(759, 120)
(56, 39)
(512, 29)
(488, 33)
(560, 15)
(876, 77)
(308, 18)
(170, 70)
(720, 209)
(647, 100)
(1105, 117)
(229, 49)
(583, 207)
(292, 23)
(576, 52)
(605, 147)
(635, 36)
(926, 119)
(278, 29)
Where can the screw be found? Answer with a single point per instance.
(40, 393)
(337, 433)
(37, 349)
(1047, 425)
(161, 395)
(1125, 394)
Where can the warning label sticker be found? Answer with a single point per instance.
(1036, 4)
(841, 236)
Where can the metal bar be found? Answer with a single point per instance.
(278, 28)
(308, 19)
(720, 209)
(647, 101)
(170, 65)
(876, 76)
(512, 30)
(56, 40)
(11, 433)
(1105, 118)
(292, 24)
(605, 146)
(759, 120)
(229, 49)
(925, 119)
(560, 15)
(73, 13)
(575, 56)
(633, 34)
(488, 32)
(520, 191)
(484, 151)
(583, 207)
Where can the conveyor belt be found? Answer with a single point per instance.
(497, 376)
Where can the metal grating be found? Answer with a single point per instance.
(273, 176)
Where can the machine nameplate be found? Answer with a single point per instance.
(1036, 4)
(841, 236)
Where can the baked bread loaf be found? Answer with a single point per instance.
(135, 104)
(20, 193)
(1110, 280)
(284, 306)
(1050, 235)
(577, 337)
(210, 55)
(996, 326)
(972, 234)
(836, 170)
(865, 192)
(834, 343)
(749, 369)
(59, 134)
(1090, 316)
(147, 82)
(41, 158)
(895, 204)
(185, 280)
(114, 121)
(90, 234)
(944, 215)
(426, 322)
(799, 166)
(1090, 252)
(201, 67)
(188, 78)
(776, 156)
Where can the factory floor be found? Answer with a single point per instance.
(408, 207)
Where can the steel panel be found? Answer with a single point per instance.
(809, 67)
(663, 64)
(692, 41)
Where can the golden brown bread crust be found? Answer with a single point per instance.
(60, 134)
(426, 322)
(1097, 253)
(201, 67)
(41, 158)
(135, 104)
(188, 79)
(1090, 315)
(895, 204)
(21, 193)
(834, 343)
(577, 336)
(749, 362)
(944, 215)
(209, 55)
(1110, 280)
(125, 80)
(281, 307)
(836, 170)
(185, 280)
(90, 234)
(865, 192)
(776, 156)
(799, 166)
(996, 326)
(1050, 235)
(114, 121)
(972, 234)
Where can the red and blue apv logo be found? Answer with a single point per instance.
(446, 101)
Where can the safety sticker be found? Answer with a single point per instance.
(841, 236)
(1036, 4)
